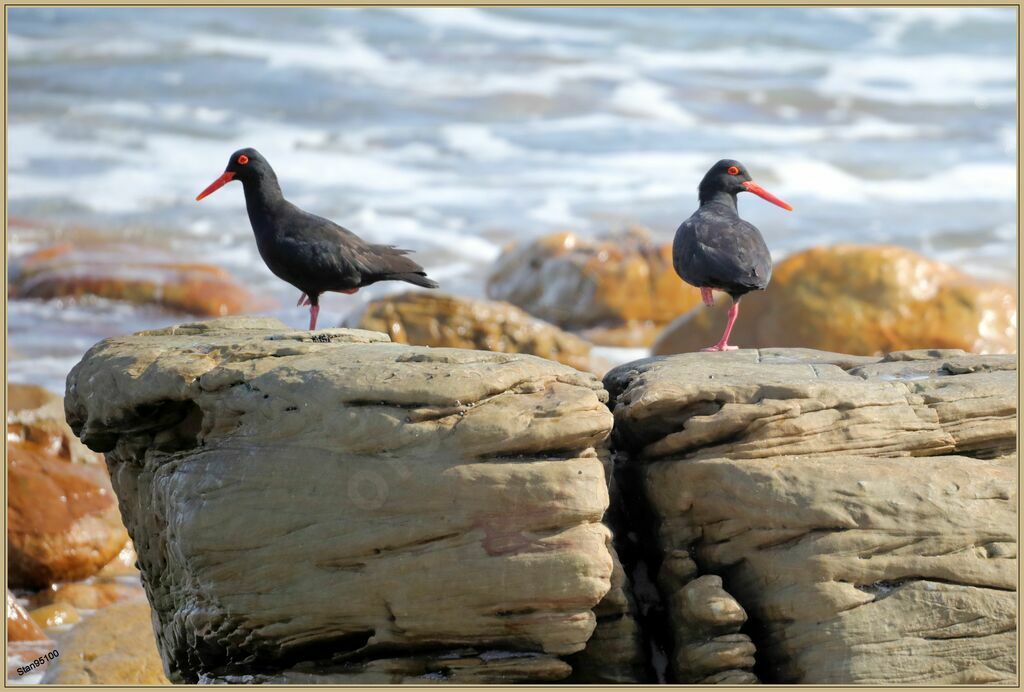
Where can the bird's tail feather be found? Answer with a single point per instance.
(391, 263)
(417, 278)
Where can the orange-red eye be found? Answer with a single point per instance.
(734, 170)
(243, 159)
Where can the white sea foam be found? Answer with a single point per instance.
(346, 51)
(478, 142)
(648, 99)
(891, 24)
(864, 128)
(907, 79)
(823, 180)
(488, 22)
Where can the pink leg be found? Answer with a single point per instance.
(707, 296)
(303, 300)
(723, 343)
(314, 310)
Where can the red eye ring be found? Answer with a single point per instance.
(733, 170)
(243, 159)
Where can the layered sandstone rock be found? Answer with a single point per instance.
(860, 299)
(859, 511)
(67, 270)
(616, 653)
(332, 504)
(439, 320)
(621, 288)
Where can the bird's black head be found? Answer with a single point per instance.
(245, 165)
(731, 177)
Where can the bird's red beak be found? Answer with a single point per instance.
(217, 184)
(750, 186)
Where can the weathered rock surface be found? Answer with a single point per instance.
(860, 512)
(760, 404)
(708, 641)
(113, 647)
(615, 287)
(859, 299)
(455, 667)
(67, 270)
(439, 320)
(615, 653)
(308, 503)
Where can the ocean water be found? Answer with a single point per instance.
(453, 131)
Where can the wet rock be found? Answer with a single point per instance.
(433, 319)
(116, 271)
(36, 426)
(55, 615)
(615, 287)
(20, 626)
(450, 498)
(113, 647)
(63, 522)
(123, 564)
(863, 300)
(860, 512)
(91, 595)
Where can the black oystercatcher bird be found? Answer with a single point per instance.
(715, 248)
(308, 251)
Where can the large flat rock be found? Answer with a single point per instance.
(324, 505)
(861, 512)
(770, 402)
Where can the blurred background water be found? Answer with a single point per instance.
(455, 131)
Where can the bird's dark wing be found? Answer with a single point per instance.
(720, 250)
(334, 258)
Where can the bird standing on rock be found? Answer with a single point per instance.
(308, 251)
(716, 249)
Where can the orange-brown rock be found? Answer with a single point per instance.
(62, 519)
(55, 615)
(20, 625)
(116, 646)
(88, 596)
(862, 300)
(619, 282)
(115, 271)
(439, 320)
(36, 426)
(123, 565)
